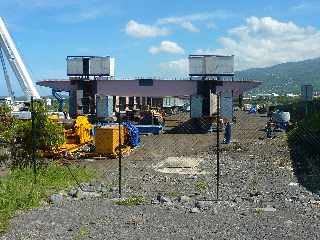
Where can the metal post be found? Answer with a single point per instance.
(218, 146)
(33, 142)
(307, 108)
(119, 155)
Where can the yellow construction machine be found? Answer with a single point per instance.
(77, 132)
(80, 131)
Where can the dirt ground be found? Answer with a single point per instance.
(259, 195)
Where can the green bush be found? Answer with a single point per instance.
(18, 191)
(7, 123)
(47, 135)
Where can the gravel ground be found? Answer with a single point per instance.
(259, 196)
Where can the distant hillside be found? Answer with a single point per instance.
(285, 77)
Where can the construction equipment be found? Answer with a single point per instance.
(152, 117)
(10, 51)
(77, 133)
(107, 139)
(80, 131)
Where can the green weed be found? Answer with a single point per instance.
(83, 232)
(131, 201)
(18, 191)
(201, 185)
(259, 211)
(173, 194)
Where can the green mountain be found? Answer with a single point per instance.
(285, 77)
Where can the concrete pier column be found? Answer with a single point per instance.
(117, 104)
(134, 102)
(127, 104)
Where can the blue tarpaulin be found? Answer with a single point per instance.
(154, 129)
(132, 130)
(253, 109)
(133, 133)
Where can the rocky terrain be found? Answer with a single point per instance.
(169, 192)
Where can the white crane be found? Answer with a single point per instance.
(6, 76)
(10, 51)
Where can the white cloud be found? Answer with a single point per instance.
(189, 26)
(265, 41)
(85, 11)
(167, 47)
(139, 30)
(84, 15)
(219, 14)
(299, 7)
(210, 25)
(186, 21)
(45, 3)
(306, 7)
(178, 67)
(180, 21)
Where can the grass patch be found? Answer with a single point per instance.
(201, 185)
(259, 211)
(83, 232)
(18, 191)
(131, 201)
(173, 194)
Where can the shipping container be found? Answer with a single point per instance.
(197, 66)
(211, 65)
(90, 66)
(219, 65)
(101, 66)
(74, 66)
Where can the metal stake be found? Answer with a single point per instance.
(119, 156)
(218, 146)
(33, 142)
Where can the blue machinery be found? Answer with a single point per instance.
(59, 98)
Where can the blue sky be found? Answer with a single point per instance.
(154, 38)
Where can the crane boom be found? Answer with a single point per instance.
(6, 76)
(16, 63)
